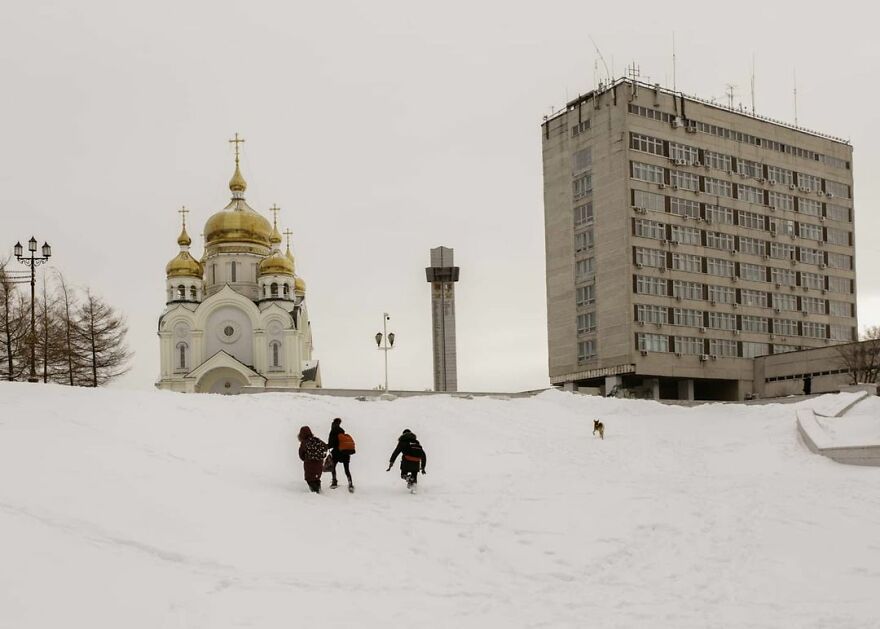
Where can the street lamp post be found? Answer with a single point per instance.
(33, 262)
(385, 342)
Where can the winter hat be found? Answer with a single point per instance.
(304, 433)
(337, 421)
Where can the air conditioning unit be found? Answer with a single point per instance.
(674, 243)
(735, 305)
(696, 164)
(771, 182)
(776, 310)
(661, 186)
(823, 265)
(824, 291)
(714, 356)
(678, 298)
(761, 180)
(662, 269)
(641, 323)
(703, 330)
(736, 332)
(743, 175)
(677, 122)
(734, 279)
(791, 186)
(681, 162)
(713, 303)
(806, 288)
(697, 192)
(772, 208)
(793, 262)
(765, 257)
(829, 194)
(804, 313)
(678, 354)
(675, 186)
(778, 284)
(704, 357)
(804, 189)
(639, 265)
(822, 219)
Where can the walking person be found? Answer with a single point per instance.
(413, 458)
(311, 452)
(341, 448)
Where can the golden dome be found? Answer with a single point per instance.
(276, 264)
(300, 284)
(184, 240)
(237, 183)
(237, 224)
(183, 265)
(275, 237)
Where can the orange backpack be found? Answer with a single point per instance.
(346, 443)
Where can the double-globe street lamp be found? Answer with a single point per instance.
(388, 345)
(33, 261)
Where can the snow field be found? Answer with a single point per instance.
(151, 509)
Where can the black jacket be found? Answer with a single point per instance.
(414, 456)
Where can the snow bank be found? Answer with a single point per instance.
(157, 510)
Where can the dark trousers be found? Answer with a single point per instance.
(410, 475)
(345, 467)
(312, 473)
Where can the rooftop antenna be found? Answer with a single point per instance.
(729, 91)
(673, 63)
(633, 72)
(795, 97)
(602, 59)
(753, 84)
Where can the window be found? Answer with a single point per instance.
(652, 314)
(837, 236)
(787, 303)
(722, 321)
(650, 257)
(749, 168)
(785, 327)
(717, 240)
(583, 268)
(683, 153)
(276, 353)
(688, 345)
(783, 277)
(650, 286)
(810, 256)
(837, 212)
(653, 342)
(810, 207)
(842, 333)
(839, 261)
(581, 160)
(722, 347)
(784, 349)
(583, 215)
(684, 207)
(840, 308)
(192, 293)
(650, 229)
(646, 144)
(287, 290)
(687, 317)
(717, 214)
(834, 189)
(687, 262)
(647, 112)
(808, 183)
(582, 186)
(813, 280)
(717, 161)
(750, 220)
(780, 201)
(685, 235)
(273, 289)
(839, 285)
(814, 330)
(753, 298)
(755, 324)
(719, 267)
(751, 246)
(781, 226)
(181, 355)
(181, 292)
(649, 200)
(782, 251)
(813, 305)
(687, 290)
(750, 350)
(583, 240)
(586, 322)
(753, 272)
(809, 231)
(582, 127)
(750, 194)
(684, 180)
(722, 294)
(232, 271)
(780, 175)
(718, 187)
(647, 172)
(586, 350)
(585, 295)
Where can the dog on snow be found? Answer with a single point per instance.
(599, 427)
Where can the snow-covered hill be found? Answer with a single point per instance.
(156, 510)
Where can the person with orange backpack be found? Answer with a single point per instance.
(412, 460)
(341, 448)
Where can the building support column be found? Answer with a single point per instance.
(654, 384)
(686, 389)
(610, 383)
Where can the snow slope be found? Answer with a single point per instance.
(157, 510)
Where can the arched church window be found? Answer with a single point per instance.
(232, 272)
(192, 293)
(181, 355)
(276, 354)
(181, 292)
(286, 290)
(213, 273)
(274, 289)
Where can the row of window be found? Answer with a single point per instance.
(685, 155)
(714, 348)
(738, 136)
(183, 360)
(681, 180)
(661, 315)
(698, 291)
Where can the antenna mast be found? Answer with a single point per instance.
(673, 63)
(795, 97)
(753, 84)
(729, 92)
(602, 59)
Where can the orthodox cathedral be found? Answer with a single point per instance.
(235, 320)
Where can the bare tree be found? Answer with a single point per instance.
(13, 325)
(861, 360)
(102, 331)
(71, 354)
(49, 345)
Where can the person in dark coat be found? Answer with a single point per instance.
(339, 455)
(412, 460)
(311, 451)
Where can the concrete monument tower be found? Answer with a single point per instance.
(442, 275)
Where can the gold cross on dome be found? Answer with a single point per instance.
(236, 141)
(288, 233)
(183, 212)
(275, 209)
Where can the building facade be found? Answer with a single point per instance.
(235, 320)
(443, 274)
(684, 239)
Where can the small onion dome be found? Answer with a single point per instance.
(184, 265)
(300, 284)
(275, 236)
(184, 240)
(276, 264)
(237, 183)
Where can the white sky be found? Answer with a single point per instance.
(382, 129)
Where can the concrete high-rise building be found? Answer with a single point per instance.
(684, 238)
(442, 274)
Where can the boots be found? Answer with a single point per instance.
(315, 486)
(334, 484)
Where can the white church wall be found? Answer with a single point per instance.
(229, 328)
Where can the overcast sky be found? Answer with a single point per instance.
(382, 129)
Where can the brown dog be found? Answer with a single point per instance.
(599, 427)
